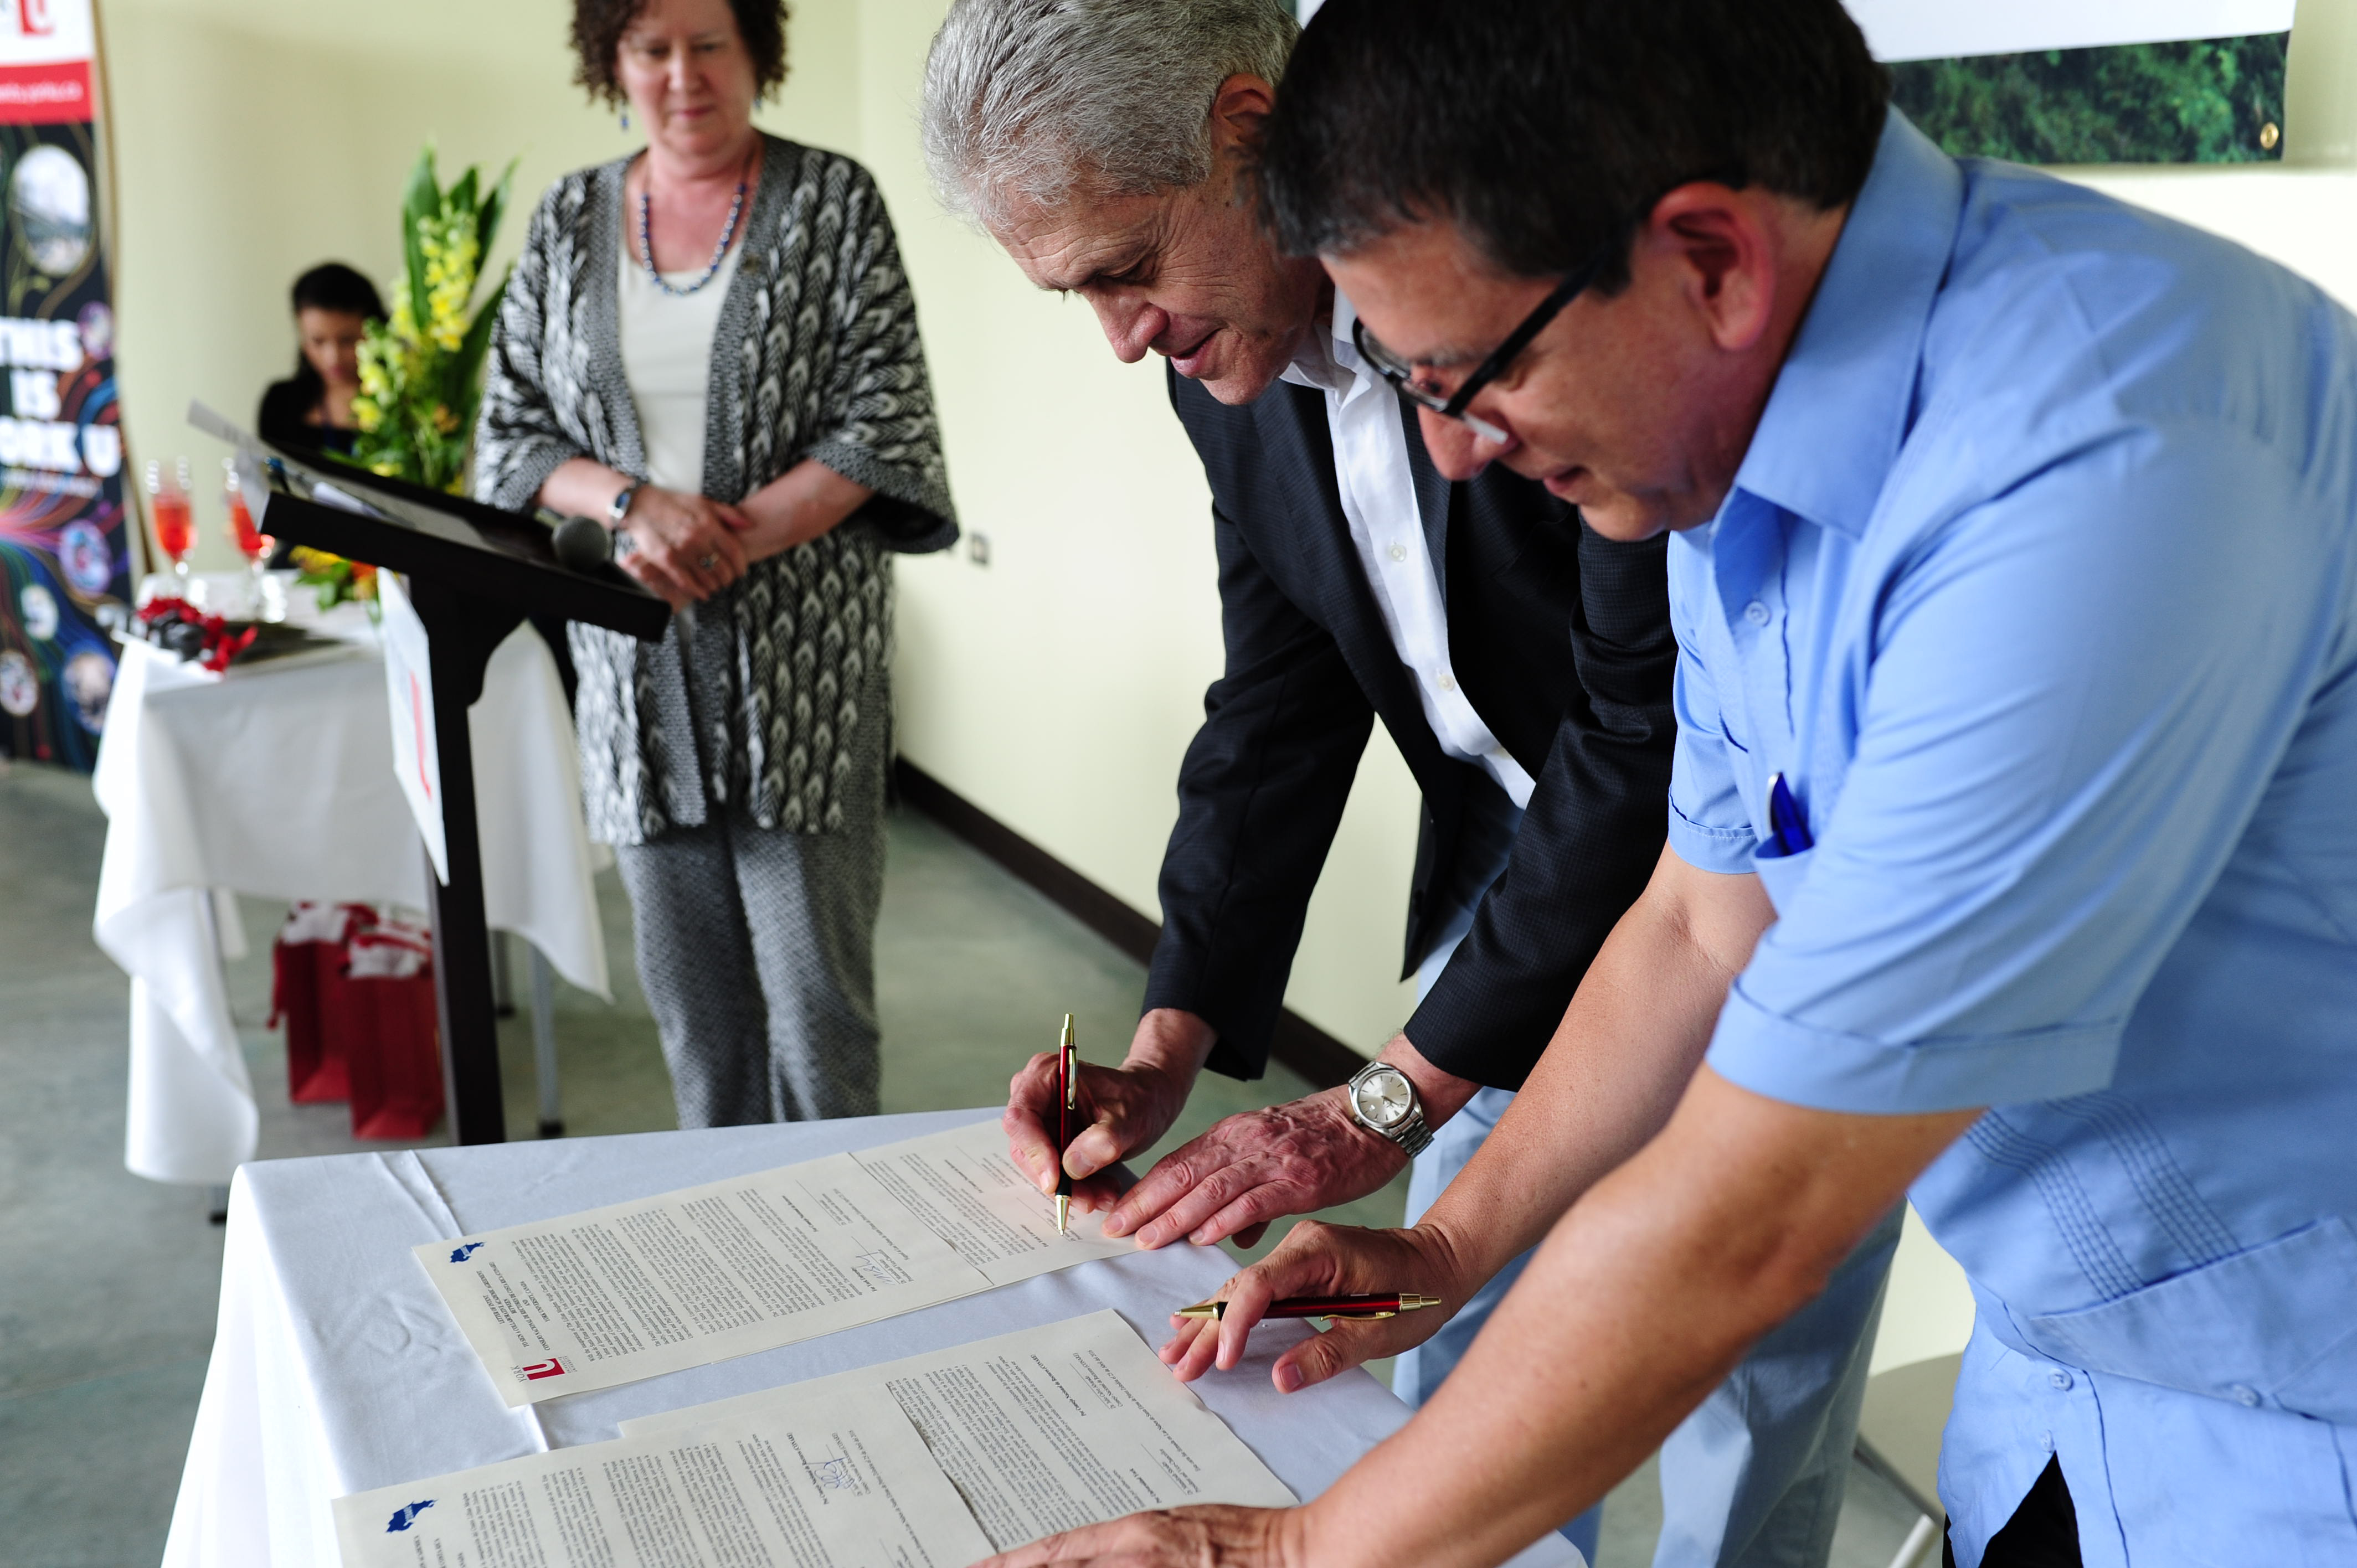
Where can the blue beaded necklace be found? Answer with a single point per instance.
(719, 251)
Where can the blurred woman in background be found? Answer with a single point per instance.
(313, 407)
(710, 347)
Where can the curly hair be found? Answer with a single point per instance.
(598, 27)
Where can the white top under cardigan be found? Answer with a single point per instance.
(667, 360)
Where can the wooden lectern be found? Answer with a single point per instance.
(473, 574)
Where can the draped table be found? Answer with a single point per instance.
(336, 1367)
(277, 780)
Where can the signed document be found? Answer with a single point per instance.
(840, 1482)
(1042, 1430)
(611, 1296)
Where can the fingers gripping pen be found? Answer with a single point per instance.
(1067, 1090)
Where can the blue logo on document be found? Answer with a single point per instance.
(460, 1254)
(403, 1517)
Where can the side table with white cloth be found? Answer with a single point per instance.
(277, 780)
(336, 1367)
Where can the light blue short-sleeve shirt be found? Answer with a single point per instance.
(2038, 586)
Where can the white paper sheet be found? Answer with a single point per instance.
(840, 1482)
(1045, 1428)
(588, 1301)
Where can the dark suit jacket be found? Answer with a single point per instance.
(1560, 640)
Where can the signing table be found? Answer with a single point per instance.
(336, 1367)
(278, 781)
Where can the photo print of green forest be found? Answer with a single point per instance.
(2206, 100)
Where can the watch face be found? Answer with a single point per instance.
(1384, 1097)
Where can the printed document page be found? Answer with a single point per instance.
(963, 1188)
(614, 1294)
(1041, 1430)
(841, 1482)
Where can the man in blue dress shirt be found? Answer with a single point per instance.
(2012, 853)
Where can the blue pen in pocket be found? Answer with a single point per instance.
(1785, 824)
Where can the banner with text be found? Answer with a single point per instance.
(64, 546)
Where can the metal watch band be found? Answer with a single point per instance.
(1413, 1135)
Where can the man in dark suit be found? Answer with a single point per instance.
(1521, 663)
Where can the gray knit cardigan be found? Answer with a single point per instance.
(815, 356)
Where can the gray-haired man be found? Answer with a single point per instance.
(1517, 658)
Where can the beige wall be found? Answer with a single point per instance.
(1057, 687)
(257, 137)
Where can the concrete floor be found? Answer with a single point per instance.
(108, 1298)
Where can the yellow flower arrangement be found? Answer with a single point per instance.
(420, 382)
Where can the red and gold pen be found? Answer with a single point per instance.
(1366, 1306)
(1068, 1091)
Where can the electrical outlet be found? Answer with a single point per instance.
(977, 548)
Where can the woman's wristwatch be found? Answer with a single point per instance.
(1384, 1101)
(619, 506)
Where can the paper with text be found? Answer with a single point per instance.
(1041, 1430)
(841, 1482)
(608, 1296)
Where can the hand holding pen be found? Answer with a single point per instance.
(1068, 1089)
(1368, 1307)
(1382, 1292)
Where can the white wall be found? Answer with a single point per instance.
(1055, 688)
(257, 137)
(1058, 686)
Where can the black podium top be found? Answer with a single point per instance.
(479, 550)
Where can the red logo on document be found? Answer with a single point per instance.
(33, 19)
(554, 1367)
(417, 717)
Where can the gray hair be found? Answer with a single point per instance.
(1028, 99)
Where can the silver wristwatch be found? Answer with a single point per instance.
(619, 506)
(1384, 1101)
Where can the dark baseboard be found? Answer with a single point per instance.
(1297, 1043)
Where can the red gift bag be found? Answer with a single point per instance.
(307, 976)
(395, 1049)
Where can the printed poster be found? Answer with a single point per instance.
(64, 547)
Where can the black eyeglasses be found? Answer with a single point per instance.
(1452, 405)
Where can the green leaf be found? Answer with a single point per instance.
(469, 361)
(423, 196)
(423, 199)
(494, 207)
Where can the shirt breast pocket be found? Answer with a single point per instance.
(1781, 875)
(2272, 1326)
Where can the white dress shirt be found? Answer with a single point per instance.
(1378, 489)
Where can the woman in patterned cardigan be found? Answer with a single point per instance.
(711, 346)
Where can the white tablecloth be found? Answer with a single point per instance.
(279, 782)
(336, 1369)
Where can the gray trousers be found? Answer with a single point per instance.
(757, 946)
(757, 950)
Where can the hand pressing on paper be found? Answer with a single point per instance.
(1253, 1167)
(1209, 1535)
(1317, 1259)
(1259, 1165)
(1121, 1110)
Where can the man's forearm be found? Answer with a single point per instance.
(1173, 1042)
(1628, 1045)
(1641, 1300)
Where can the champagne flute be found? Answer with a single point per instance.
(251, 541)
(176, 522)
